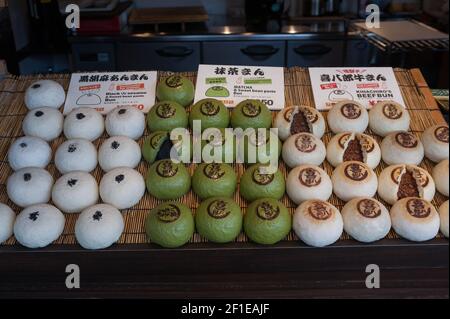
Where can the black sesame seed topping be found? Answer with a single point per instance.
(23, 145)
(122, 111)
(72, 148)
(97, 216)
(80, 116)
(36, 86)
(72, 182)
(27, 177)
(120, 178)
(34, 216)
(38, 113)
(115, 145)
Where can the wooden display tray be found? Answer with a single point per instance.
(135, 268)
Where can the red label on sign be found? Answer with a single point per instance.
(138, 86)
(90, 87)
(328, 86)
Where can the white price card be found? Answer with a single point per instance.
(106, 91)
(233, 84)
(365, 85)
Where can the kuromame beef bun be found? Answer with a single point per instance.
(85, 123)
(354, 179)
(45, 93)
(415, 219)
(435, 141)
(303, 148)
(38, 226)
(401, 181)
(76, 155)
(388, 117)
(318, 223)
(45, 123)
(308, 182)
(29, 151)
(30, 186)
(402, 148)
(299, 119)
(443, 213)
(366, 219)
(346, 147)
(441, 177)
(348, 116)
(125, 121)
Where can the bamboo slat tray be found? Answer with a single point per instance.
(421, 105)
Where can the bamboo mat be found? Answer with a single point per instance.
(424, 113)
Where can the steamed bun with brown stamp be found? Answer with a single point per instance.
(29, 151)
(45, 93)
(125, 121)
(415, 219)
(402, 148)
(346, 147)
(119, 151)
(318, 223)
(401, 181)
(29, 186)
(85, 123)
(354, 179)
(443, 213)
(299, 119)
(122, 187)
(75, 192)
(45, 123)
(308, 182)
(7, 218)
(303, 148)
(99, 227)
(76, 155)
(435, 141)
(388, 117)
(441, 177)
(38, 226)
(366, 219)
(348, 116)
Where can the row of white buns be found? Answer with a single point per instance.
(318, 223)
(37, 226)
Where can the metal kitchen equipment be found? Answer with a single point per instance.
(403, 36)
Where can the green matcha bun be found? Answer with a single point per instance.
(256, 185)
(219, 220)
(167, 180)
(212, 114)
(260, 148)
(158, 146)
(267, 221)
(251, 114)
(170, 225)
(214, 180)
(219, 143)
(166, 116)
(176, 88)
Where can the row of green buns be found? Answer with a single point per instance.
(167, 115)
(167, 180)
(219, 220)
